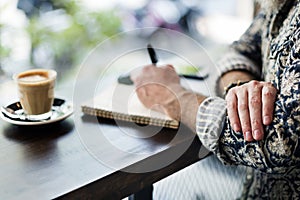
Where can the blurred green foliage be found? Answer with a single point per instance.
(4, 50)
(82, 30)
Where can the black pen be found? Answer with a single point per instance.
(152, 54)
(125, 78)
(154, 60)
(196, 77)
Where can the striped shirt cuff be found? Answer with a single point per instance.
(236, 61)
(210, 122)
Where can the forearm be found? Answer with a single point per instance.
(190, 103)
(183, 106)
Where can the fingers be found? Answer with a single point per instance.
(232, 113)
(168, 66)
(137, 73)
(165, 75)
(243, 111)
(238, 113)
(250, 107)
(269, 96)
(151, 67)
(255, 109)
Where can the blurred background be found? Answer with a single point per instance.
(59, 33)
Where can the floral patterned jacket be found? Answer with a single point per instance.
(270, 49)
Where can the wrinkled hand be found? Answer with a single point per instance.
(249, 107)
(157, 88)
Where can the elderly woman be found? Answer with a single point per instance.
(257, 121)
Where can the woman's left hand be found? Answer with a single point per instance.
(250, 107)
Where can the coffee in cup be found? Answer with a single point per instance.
(36, 92)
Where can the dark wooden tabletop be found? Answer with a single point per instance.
(87, 157)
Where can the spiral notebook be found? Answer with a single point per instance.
(120, 102)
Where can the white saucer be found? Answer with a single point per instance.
(61, 109)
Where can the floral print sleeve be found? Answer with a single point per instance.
(279, 151)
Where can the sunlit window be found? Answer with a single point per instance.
(52, 33)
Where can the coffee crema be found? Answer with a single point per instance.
(33, 78)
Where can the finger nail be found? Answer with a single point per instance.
(256, 134)
(248, 135)
(267, 120)
(236, 128)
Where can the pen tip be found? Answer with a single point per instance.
(149, 46)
